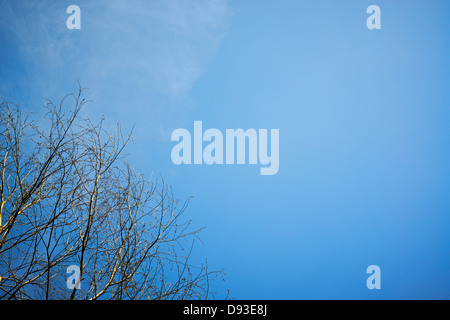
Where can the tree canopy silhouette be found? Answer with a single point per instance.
(68, 197)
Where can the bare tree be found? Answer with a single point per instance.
(67, 197)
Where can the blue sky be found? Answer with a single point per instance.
(363, 117)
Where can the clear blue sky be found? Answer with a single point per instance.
(364, 120)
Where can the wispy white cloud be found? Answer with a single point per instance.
(140, 58)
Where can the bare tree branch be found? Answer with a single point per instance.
(67, 197)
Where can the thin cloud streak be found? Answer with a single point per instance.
(139, 58)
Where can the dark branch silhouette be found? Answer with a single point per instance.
(67, 197)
